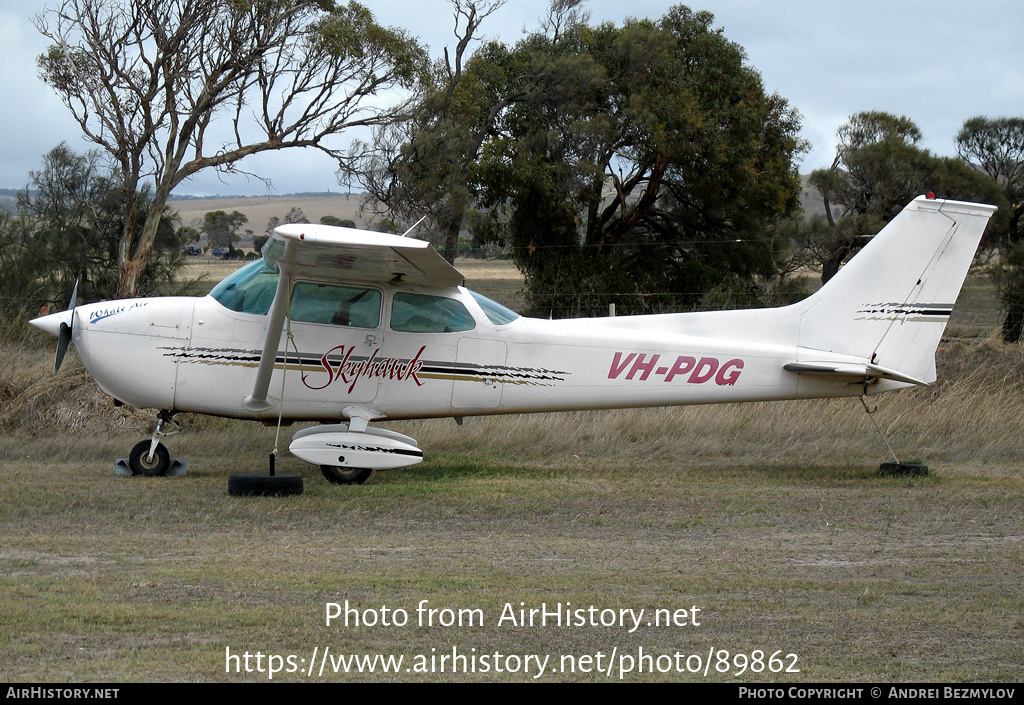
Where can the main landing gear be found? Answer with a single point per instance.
(345, 476)
(151, 459)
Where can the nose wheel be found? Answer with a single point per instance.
(147, 461)
(150, 458)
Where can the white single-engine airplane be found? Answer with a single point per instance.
(350, 327)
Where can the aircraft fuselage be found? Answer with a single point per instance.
(196, 355)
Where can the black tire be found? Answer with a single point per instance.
(155, 468)
(900, 469)
(345, 476)
(250, 484)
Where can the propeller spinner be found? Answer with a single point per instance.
(61, 325)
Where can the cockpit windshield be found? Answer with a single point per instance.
(498, 314)
(250, 289)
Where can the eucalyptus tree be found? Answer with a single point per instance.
(168, 88)
(66, 229)
(655, 180)
(609, 159)
(996, 147)
(423, 165)
(878, 169)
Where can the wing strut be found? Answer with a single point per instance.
(415, 225)
(257, 401)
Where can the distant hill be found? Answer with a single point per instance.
(260, 209)
(7, 196)
(811, 200)
(305, 194)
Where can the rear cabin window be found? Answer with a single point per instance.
(336, 305)
(420, 313)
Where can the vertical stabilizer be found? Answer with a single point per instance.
(890, 304)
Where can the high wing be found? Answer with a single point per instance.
(324, 252)
(330, 253)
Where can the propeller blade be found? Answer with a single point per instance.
(63, 340)
(64, 335)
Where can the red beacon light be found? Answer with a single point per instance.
(931, 195)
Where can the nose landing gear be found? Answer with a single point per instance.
(149, 461)
(151, 458)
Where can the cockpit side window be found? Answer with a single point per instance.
(495, 312)
(337, 305)
(250, 289)
(420, 313)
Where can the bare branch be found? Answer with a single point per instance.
(146, 80)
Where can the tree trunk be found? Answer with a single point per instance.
(1013, 304)
(130, 277)
(1013, 325)
(451, 240)
(133, 252)
(451, 225)
(830, 267)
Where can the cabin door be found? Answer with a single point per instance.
(479, 369)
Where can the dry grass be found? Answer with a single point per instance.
(490, 270)
(200, 274)
(771, 518)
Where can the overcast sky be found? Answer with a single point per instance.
(938, 62)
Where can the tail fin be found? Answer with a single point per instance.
(890, 304)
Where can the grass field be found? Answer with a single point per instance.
(770, 519)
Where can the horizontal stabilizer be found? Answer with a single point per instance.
(854, 371)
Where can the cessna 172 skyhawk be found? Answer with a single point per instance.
(350, 327)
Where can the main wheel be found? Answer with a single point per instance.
(140, 465)
(345, 476)
(257, 484)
